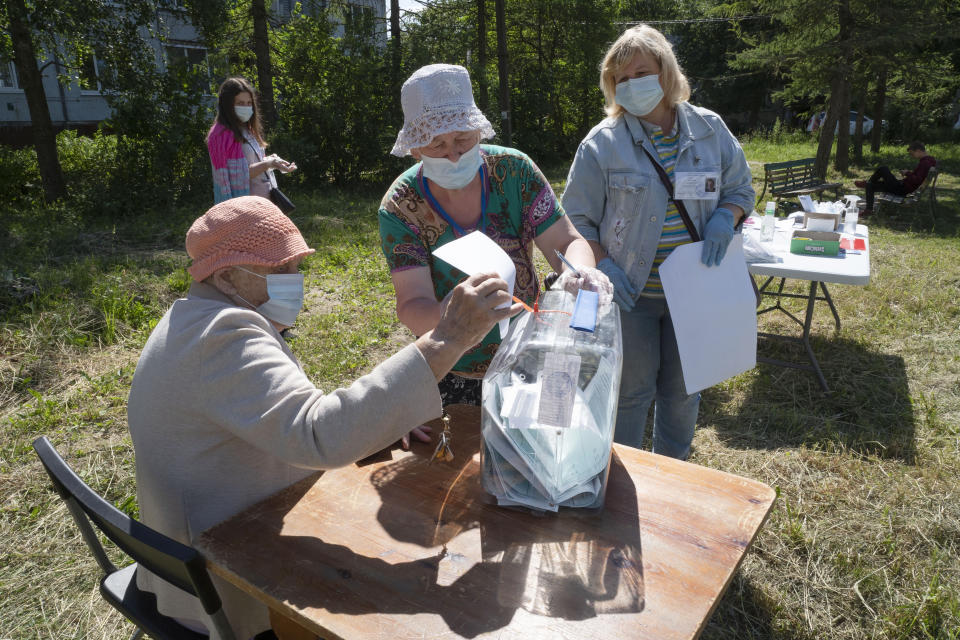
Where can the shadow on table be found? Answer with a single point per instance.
(868, 410)
(568, 566)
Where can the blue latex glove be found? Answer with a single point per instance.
(623, 291)
(717, 234)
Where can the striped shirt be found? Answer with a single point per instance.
(674, 231)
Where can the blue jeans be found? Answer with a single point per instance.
(651, 372)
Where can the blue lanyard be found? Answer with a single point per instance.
(443, 214)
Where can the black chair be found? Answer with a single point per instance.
(174, 562)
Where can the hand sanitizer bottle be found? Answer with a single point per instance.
(852, 214)
(769, 223)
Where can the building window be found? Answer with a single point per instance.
(361, 15)
(313, 8)
(360, 20)
(186, 55)
(91, 70)
(8, 74)
(192, 60)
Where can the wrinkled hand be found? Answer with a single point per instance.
(623, 291)
(717, 235)
(590, 279)
(471, 310)
(421, 433)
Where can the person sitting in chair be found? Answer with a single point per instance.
(883, 180)
(222, 414)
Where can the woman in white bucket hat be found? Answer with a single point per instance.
(459, 186)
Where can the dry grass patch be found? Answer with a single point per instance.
(863, 542)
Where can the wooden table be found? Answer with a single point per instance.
(397, 548)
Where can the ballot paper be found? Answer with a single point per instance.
(476, 253)
(714, 314)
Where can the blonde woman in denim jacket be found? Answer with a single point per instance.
(616, 200)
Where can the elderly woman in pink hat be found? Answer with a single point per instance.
(222, 415)
(458, 186)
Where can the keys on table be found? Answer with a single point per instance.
(443, 450)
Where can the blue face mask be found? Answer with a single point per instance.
(640, 96)
(243, 113)
(285, 297)
(453, 175)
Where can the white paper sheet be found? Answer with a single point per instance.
(476, 253)
(820, 224)
(714, 314)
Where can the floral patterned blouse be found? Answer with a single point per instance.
(520, 206)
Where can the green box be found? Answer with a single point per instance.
(815, 243)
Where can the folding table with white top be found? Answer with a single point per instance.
(851, 268)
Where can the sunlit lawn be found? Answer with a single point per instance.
(863, 541)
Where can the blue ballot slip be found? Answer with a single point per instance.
(584, 316)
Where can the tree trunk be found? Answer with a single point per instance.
(825, 145)
(484, 102)
(504, 69)
(846, 20)
(31, 81)
(261, 48)
(878, 104)
(395, 53)
(842, 160)
(858, 132)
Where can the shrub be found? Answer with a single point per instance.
(334, 126)
(19, 179)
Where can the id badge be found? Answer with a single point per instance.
(696, 185)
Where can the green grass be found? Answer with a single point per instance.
(863, 541)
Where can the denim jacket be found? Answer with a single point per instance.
(614, 195)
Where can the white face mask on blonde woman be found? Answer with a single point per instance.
(640, 96)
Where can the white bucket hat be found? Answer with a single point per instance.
(437, 99)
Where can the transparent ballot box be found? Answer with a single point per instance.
(549, 406)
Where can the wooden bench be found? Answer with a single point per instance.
(929, 185)
(794, 178)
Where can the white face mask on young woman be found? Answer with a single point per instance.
(640, 96)
(453, 175)
(244, 113)
(285, 297)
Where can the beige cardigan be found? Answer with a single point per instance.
(222, 415)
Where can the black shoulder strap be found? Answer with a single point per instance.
(665, 179)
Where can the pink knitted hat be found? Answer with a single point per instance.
(245, 230)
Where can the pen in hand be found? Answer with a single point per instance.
(567, 262)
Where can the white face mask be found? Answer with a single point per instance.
(244, 113)
(285, 297)
(453, 175)
(640, 96)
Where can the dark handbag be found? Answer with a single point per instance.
(283, 202)
(682, 210)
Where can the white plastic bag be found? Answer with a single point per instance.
(755, 250)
